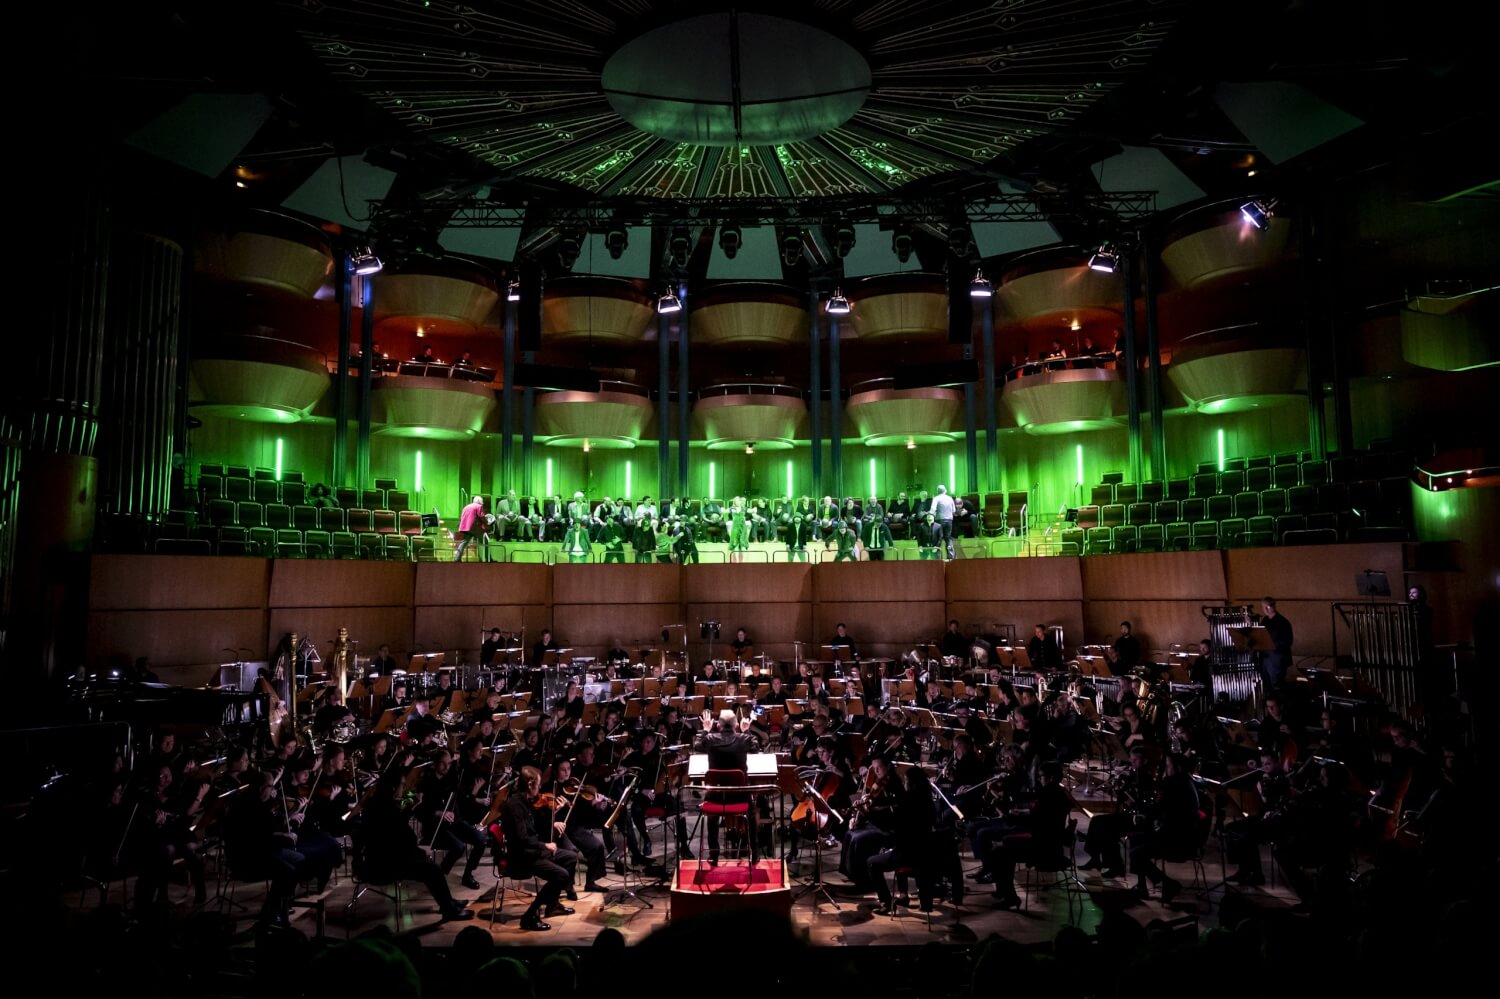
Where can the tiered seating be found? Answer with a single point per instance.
(247, 511)
(1269, 499)
(1004, 513)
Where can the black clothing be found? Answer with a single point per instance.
(1127, 653)
(489, 649)
(955, 644)
(540, 649)
(1044, 654)
(846, 643)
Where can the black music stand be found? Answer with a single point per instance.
(816, 887)
(626, 890)
(1373, 583)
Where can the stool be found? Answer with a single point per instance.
(723, 804)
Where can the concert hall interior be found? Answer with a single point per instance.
(967, 494)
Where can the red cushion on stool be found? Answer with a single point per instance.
(732, 808)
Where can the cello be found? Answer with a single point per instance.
(813, 813)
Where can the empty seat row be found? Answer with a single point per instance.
(246, 472)
(279, 516)
(268, 542)
(239, 488)
(1232, 532)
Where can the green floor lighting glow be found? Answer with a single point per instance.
(419, 473)
(789, 480)
(711, 475)
(628, 491)
(1079, 454)
(1221, 449)
(872, 478)
(549, 476)
(953, 475)
(280, 444)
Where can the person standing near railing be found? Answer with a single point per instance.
(471, 527)
(942, 512)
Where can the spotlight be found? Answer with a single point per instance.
(980, 287)
(843, 238)
(616, 240)
(1258, 213)
(1105, 259)
(513, 291)
(730, 240)
(749, 447)
(837, 305)
(568, 246)
(911, 443)
(681, 246)
(364, 261)
(586, 447)
(791, 249)
(901, 244)
(668, 303)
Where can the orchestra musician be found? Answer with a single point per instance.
(1125, 654)
(382, 663)
(490, 647)
(1170, 828)
(1041, 842)
(843, 646)
(1273, 664)
(954, 643)
(1245, 836)
(162, 832)
(545, 644)
(650, 761)
(872, 826)
(1136, 791)
(529, 854)
(387, 848)
(579, 818)
(911, 845)
(741, 645)
(991, 822)
(449, 813)
(1044, 654)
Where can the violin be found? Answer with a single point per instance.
(547, 800)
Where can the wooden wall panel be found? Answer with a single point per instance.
(878, 629)
(1056, 578)
(370, 626)
(478, 584)
(1157, 623)
(462, 627)
(747, 583)
(1155, 576)
(174, 637)
(771, 626)
(843, 582)
(176, 582)
(1315, 572)
(616, 584)
(982, 614)
(1312, 627)
(340, 583)
(591, 629)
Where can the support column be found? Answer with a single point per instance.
(508, 401)
(1314, 277)
(664, 482)
(138, 390)
(991, 427)
(1132, 369)
(366, 383)
(815, 392)
(971, 433)
(684, 411)
(835, 412)
(1149, 264)
(344, 292)
(528, 426)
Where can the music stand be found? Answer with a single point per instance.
(616, 895)
(1372, 583)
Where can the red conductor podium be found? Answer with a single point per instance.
(731, 886)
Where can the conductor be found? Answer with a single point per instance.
(728, 749)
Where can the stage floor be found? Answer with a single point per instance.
(853, 924)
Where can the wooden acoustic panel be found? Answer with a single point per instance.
(1156, 576)
(370, 626)
(1312, 627)
(464, 627)
(747, 583)
(616, 584)
(173, 637)
(176, 582)
(1157, 623)
(844, 582)
(591, 629)
(1037, 579)
(340, 583)
(1313, 572)
(886, 625)
(479, 584)
(1024, 614)
(771, 626)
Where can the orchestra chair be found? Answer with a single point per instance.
(368, 879)
(1195, 855)
(503, 872)
(724, 804)
(1063, 866)
(903, 874)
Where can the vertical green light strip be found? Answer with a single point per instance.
(419, 472)
(712, 471)
(549, 476)
(1079, 455)
(1221, 449)
(628, 492)
(953, 475)
(872, 478)
(279, 445)
(789, 479)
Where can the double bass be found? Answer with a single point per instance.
(813, 813)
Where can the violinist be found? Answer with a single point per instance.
(1246, 835)
(300, 790)
(162, 832)
(991, 821)
(333, 794)
(448, 812)
(530, 853)
(257, 844)
(387, 849)
(650, 761)
(833, 782)
(235, 773)
(1134, 795)
(583, 813)
(965, 768)
(872, 827)
(1278, 733)
(1041, 842)
(165, 754)
(911, 845)
(1173, 827)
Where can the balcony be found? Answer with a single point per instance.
(1063, 396)
(433, 297)
(1239, 368)
(260, 379)
(268, 251)
(430, 405)
(897, 308)
(1048, 292)
(885, 416)
(595, 310)
(1219, 245)
(748, 314)
(732, 416)
(615, 417)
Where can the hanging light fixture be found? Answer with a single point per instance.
(668, 303)
(837, 305)
(364, 261)
(980, 286)
(1258, 213)
(1105, 259)
(513, 291)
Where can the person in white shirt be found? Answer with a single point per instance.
(942, 512)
